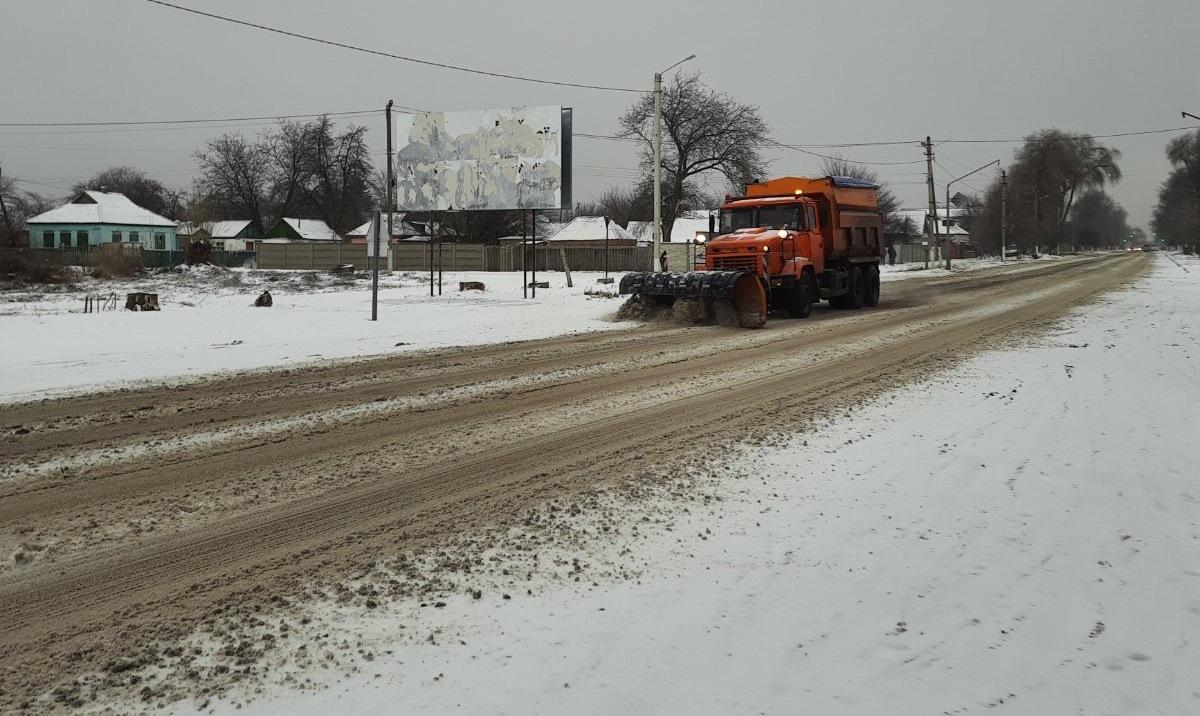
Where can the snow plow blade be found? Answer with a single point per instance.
(740, 291)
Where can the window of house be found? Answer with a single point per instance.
(64, 239)
(160, 242)
(47, 239)
(134, 237)
(116, 237)
(81, 239)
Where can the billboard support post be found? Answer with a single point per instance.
(524, 257)
(533, 237)
(439, 245)
(432, 238)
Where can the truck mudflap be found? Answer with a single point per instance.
(739, 293)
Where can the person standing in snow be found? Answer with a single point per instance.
(891, 254)
(662, 260)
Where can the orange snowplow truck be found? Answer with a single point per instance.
(786, 244)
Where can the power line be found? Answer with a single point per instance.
(142, 122)
(1070, 136)
(389, 55)
(796, 148)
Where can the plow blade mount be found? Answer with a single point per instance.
(738, 291)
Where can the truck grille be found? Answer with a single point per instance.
(742, 262)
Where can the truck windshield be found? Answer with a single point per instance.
(761, 217)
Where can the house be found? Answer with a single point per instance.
(687, 227)
(401, 229)
(187, 233)
(961, 243)
(234, 234)
(95, 218)
(589, 231)
(301, 231)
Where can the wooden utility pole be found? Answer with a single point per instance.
(1003, 214)
(931, 222)
(387, 206)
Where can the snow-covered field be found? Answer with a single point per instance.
(1021, 532)
(208, 324)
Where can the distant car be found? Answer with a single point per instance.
(1149, 247)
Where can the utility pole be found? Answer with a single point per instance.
(387, 206)
(1003, 215)
(654, 265)
(931, 222)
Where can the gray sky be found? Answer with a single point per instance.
(820, 72)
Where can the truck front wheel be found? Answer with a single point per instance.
(803, 296)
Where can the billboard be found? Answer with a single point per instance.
(514, 158)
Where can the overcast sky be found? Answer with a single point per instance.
(871, 70)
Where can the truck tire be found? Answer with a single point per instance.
(803, 296)
(872, 276)
(857, 296)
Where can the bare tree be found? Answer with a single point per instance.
(889, 205)
(1049, 169)
(16, 207)
(704, 132)
(622, 204)
(234, 175)
(1097, 221)
(1184, 154)
(340, 166)
(138, 187)
(291, 149)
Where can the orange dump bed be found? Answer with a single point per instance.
(841, 191)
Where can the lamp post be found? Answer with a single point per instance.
(658, 159)
(948, 219)
(1189, 115)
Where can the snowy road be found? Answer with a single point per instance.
(1023, 532)
(292, 529)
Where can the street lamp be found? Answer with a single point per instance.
(1187, 115)
(658, 159)
(948, 219)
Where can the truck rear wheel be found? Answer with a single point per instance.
(803, 296)
(857, 296)
(872, 276)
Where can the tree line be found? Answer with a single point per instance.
(1177, 214)
(712, 145)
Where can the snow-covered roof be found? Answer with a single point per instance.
(590, 228)
(918, 219)
(228, 229)
(312, 229)
(400, 227)
(684, 229)
(98, 207)
(550, 229)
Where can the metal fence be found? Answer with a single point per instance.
(310, 257)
